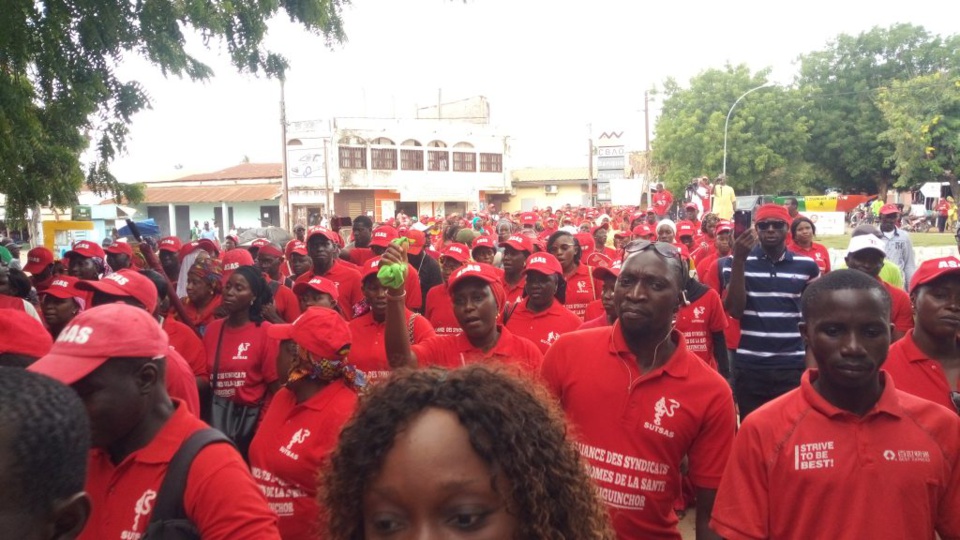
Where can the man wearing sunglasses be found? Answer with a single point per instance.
(640, 400)
(763, 283)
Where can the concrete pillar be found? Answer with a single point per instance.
(225, 226)
(172, 212)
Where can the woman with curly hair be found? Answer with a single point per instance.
(472, 452)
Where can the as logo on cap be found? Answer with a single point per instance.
(617, 264)
(231, 266)
(516, 238)
(949, 263)
(118, 278)
(33, 259)
(167, 241)
(456, 249)
(380, 234)
(541, 260)
(59, 283)
(75, 334)
(469, 268)
(82, 245)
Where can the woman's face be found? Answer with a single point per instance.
(448, 265)
(484, 255)
(804, 234)
(564, 250)
(83, 268)
(58, 311)
(475, 308)
(237, 294)
(286, 357)
(433, 485)
(300, 264)
(541, 288)
(376, 295)
(198, 290)
(665, 234)
(229, 244)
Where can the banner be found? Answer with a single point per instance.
(827, 203)
(828, 223)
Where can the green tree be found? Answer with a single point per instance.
(765, 139)
(923, 115)
(59, 93)
(840, 84)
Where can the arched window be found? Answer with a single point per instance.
(411, 142)
(437, 144)
(382, 141)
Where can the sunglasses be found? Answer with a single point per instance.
(775, 225)
(663, 248)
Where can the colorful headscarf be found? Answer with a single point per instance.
(311, 367)
(209, 270)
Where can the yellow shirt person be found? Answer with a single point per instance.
(724, 199)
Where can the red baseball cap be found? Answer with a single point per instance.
(472, 270)
(528, 218)
(204, 243)
(933, 269)
(459, 252)
(601, 272)
(519, 242)
(621, 234)
(120, 248)
(691, 205)
(98, 334)
(372, 266)
(64, 286)
(417, 241)
(267, 247)
(889, 208)
(587, 243)
(724, 225)
(326, 233)
(126, 282)
(171, 244)
(595, 258)
(383, 235)
(300, 248)
(544, 263)
(319, 330)
(233, 259)
(319, 284)
(642, 230)
(26, 335)
(484, 241)
(685, 228)
(86, 248)
(38, 259)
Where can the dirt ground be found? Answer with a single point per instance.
(688, 525)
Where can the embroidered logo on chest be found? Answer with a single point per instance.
(664, 407)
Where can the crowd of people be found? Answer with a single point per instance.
(556, 373)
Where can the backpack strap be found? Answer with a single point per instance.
(169, 505)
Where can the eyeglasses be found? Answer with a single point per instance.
(663, 248)
(775, 225)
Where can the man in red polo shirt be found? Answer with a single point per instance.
(114, 357)
(846, 455)
(640, 401)
(540, 316)
(168, 250)
(926, 362)
(40, 267)
(285, 308)
(602, 312)
(323, 246)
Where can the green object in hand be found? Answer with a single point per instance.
(393, 275)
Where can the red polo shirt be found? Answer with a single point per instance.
(581, 290)
(711, 278)
(817, 252)
(221, 498)
(186, 342)
(594, 310)
(802, 468)
(368, 352)
(456, 351)
(545, 327)
(248, 361)
(181, 383)
(901, 310)
(698, 321)
(916, 374)
(439, 311)
(287, 303)
(598, 322)
(291, 445)
(634, 429)
(348, 283)
(360, 255)
(514, 293)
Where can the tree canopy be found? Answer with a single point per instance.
(59, 92)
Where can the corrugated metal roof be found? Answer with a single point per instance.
(547, 174)
(244, 171)
(211, 194)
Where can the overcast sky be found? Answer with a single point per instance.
(548, 70)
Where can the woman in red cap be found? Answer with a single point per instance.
(368, 352)
(478, 302)
(62, 302)
(317, 292)
(241, 358)
(203, 293)
(303, 422)
(540, 316)
(439, 308)
(581, 287)
(86, 260)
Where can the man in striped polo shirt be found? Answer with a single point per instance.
(763, 283)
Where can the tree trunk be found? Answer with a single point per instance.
(883, 184)
(954, 185)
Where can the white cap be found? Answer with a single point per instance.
(866, 241)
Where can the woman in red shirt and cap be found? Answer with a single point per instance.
(303, 422)
(203, 293)
(581, 287)
(61, 302)
(478, 301)
(540, 316)
(439, 308)
(368, 352)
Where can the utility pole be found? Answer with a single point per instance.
(590, 165)
(284, 181)
(646, 119)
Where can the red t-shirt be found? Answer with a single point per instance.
(917, 374)
(360, 255)
(901, 310)
(634, 429)
(581, 290)
(200, 319)
(291, 445)
(598, 322)
(248, 361)
(595, 309)
(545, 327)
(711, 278)
(221, 498)
(817, 252)
(287, 303)
(514, 293)
(367, 350)
(802, 468)
(698, 321)
(181, 383)
(348, 283)
(411, 286)
(186, 342)
(456, 351)
(439, 311)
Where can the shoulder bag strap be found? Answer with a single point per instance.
(169, 505)
(216, 363)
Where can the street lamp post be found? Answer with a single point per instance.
(727, 123)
